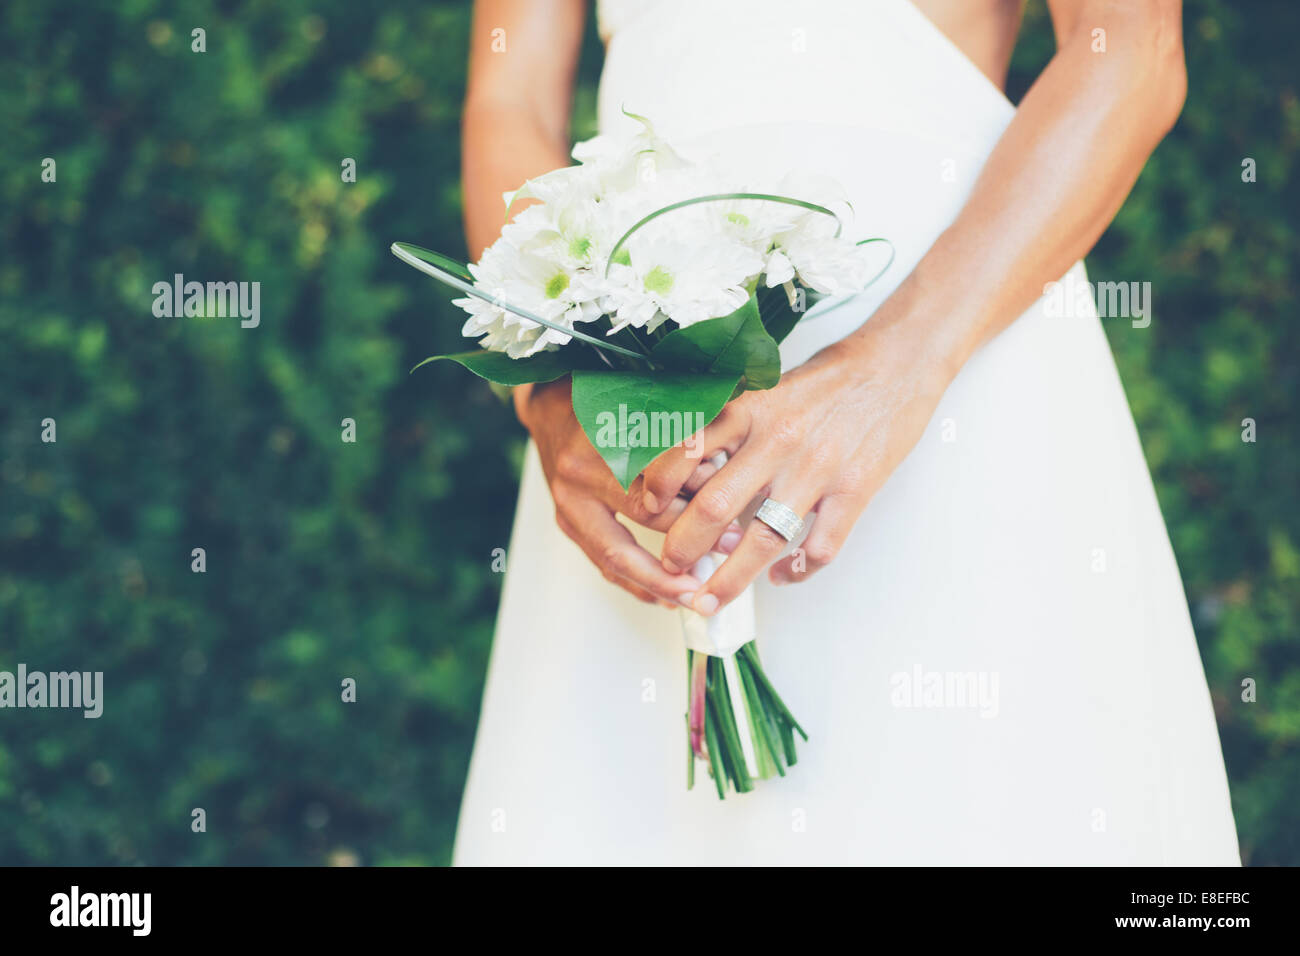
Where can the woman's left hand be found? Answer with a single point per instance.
(823, 440)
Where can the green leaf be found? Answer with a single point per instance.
(778, 318)
(631, 418)
(503, 370)
(731, 345)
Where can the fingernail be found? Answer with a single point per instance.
(706, 604)
(727, 543)
(670, 567)
(685, 598)
(650, 503)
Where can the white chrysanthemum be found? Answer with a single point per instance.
(828, 265)
(755, 223)
(813, 254)
(622, 164)
(808, 250)
(802, 243)
(577, 236)
(686, 281)
(535, 284)
(566, 186)
(584, 209)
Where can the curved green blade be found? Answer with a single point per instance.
(719, 197)
(893, 251)
(447, 263)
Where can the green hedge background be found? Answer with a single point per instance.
(328, 560)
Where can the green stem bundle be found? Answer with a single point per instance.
(771, 727)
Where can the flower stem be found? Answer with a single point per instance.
(713, 721)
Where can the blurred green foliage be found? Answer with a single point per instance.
(328, 560)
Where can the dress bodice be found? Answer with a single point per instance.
(701, 65)
(612, 15)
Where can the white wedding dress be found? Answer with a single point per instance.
(1019, 550)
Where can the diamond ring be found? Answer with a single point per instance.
(781, 519)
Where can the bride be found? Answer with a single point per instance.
(980, 510)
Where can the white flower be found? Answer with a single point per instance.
(577, 237)
(755, 223)
(812, 253)
(686, 280)
(695, 262)
(532, 283)
(566, 186)
(621, 164)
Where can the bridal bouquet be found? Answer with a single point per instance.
(663, 291)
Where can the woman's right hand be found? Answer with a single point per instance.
(587, 497)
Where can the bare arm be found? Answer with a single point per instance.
(1059, 174)
(522, 59)
(830, 434)
(523, 56)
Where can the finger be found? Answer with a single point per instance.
(667, 474)
(702, 473)
(581, 473)
(640, 593)
(831, 524)
(627, 585)
(632, 504)
(715, 506)
(759, 547)
(730, 539)
(613, 550)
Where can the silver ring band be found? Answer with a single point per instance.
(781, 519)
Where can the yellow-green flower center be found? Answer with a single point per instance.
(559, 282)
(659, 281)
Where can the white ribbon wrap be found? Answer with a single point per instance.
(728, 630)
(721, 636)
